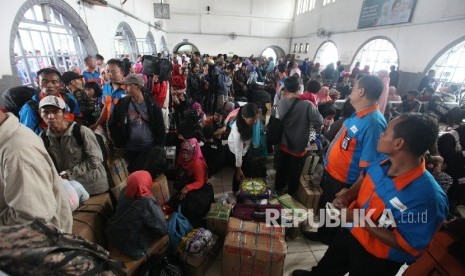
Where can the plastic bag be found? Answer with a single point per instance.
(178, 227)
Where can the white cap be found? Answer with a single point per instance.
(52, 101)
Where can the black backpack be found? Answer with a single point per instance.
(152, 65)
(14, 98)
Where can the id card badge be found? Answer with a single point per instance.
(345, 143)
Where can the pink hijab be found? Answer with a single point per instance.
(192, 146)
(139, 184)
(322, 96)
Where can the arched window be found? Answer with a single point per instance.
(185, 48)
(450, 67)
(273, 51)
(326, 54)
(164, 46)
(125, 42)
(147, 45)
(378, 53)
(49, 35)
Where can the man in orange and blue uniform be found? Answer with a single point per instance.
(402, 200)
(354, 146)
(112, 91)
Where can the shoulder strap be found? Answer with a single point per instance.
(290, 110)
(456, 136)
(45, 138)
(77, 134)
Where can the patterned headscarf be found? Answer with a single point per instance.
(193, 147)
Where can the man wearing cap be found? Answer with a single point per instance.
(73, 148)
(137, 123)
(74, 83)
(50, 83)
(30, 188)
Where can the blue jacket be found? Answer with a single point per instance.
(132, 232)
(29, 113)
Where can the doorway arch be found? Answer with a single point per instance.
(185, 48)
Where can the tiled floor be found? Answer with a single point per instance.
(301, 253)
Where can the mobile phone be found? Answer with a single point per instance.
(332, 211)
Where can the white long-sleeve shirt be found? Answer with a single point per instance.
(237, 145)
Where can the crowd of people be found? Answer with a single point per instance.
(214, 111)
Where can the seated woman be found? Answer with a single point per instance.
(137, 218)
(74, 148)
(194, 194)
(197, 108)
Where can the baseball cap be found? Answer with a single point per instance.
(67, 77)
(52, 101)
(133, 78)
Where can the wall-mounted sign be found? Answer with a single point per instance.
(385, 12)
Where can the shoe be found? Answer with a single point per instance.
(301, 272)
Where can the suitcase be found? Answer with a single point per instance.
(253, 189)
(254, 212)
(160, 189)
(89, 219)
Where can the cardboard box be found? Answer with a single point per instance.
(297, 210)
(217, 219)
(310, 164)
(253, 249)
(309, 194)
(160, 189)
(118, 171)
(90, 218)
(199, 267)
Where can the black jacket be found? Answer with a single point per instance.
(119, 123)
(195, 85)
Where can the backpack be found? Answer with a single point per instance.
(14, 98)
(275, 130)
(152, 65)
(40, 248)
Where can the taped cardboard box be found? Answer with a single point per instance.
(160, 189)
(297, 211)
(217, 218)
(253, 249)
(118, 171)
(309, 194)
(90, 218)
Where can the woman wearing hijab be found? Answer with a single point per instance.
(197, 108)
(178, 88)
(323, 95)
(194, 194)
(137, 218)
